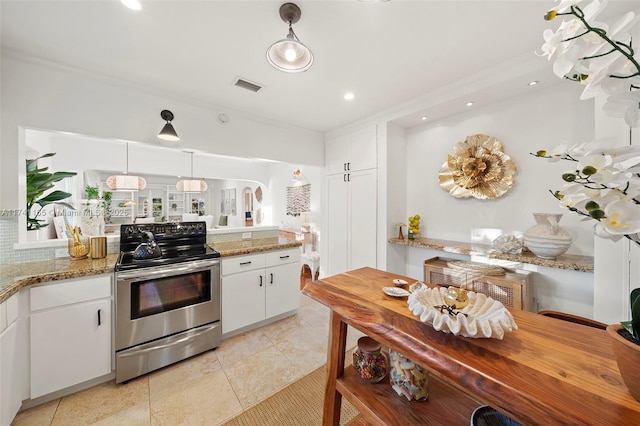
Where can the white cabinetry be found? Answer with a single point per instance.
(70, 333)
(352, 152)
(351, 203)
(259, 286)
(10, 361)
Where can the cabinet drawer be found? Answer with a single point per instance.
(281, 257)
(235, 264)
(70, 291)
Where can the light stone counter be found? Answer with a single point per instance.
(16, 276)
(565, 261)
(236, 248)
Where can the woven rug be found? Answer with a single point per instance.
(299, 404)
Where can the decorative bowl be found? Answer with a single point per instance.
(483, 317)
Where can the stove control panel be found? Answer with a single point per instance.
(135, 232)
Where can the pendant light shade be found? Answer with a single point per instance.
(191, 185)
(290, 54)
(125, 181)
(168, 133)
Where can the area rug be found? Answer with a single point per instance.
(299, 404)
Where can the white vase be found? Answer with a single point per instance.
(547, 239)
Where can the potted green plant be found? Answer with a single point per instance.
(39, 181)
(625, 338)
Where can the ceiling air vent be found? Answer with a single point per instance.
(240, 82)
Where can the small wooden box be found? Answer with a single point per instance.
(513, 289)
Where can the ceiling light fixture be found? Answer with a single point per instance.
(469, 103)
(132, 4)
(191, 185)
(289, 54)
(349, 96)
(533, 82)
(125, 181)
(168, 133)
(423, 118)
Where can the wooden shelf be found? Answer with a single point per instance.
(380, 405)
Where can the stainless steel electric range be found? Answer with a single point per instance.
(167, 296)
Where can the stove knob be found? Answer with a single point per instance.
(200, 227)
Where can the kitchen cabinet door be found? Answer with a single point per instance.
(337, 224)
(10, 369)
(243, 297)
(283, 289)
(70, 345)
(352, 152)
(352, 218)
(362, 201)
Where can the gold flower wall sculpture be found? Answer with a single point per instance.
(477, 168)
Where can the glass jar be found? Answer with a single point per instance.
(369, 361)
(407, 378)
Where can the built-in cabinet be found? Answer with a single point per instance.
(351, 202)
(11, 360)
(351, 152)
(260, 286)
(70, 333)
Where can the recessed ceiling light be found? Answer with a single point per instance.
(424, 117)
(348, 96)
(533, 82)
(469, 103)
(132, 4)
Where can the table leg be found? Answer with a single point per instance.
(335, 370)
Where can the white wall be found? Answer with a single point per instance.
(523, 125)
(43, 96)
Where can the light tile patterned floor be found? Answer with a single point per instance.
(207, 389)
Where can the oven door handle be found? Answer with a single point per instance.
(167, 271)
(167, 345)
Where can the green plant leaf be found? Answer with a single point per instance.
(635, 312)
(53, 197)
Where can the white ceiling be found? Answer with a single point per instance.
(387, 53)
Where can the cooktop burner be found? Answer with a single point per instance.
(178, 242)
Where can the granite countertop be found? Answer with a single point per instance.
(258, 245)
(565, 261)
(16, 276)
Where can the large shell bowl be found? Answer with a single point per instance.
(486, 317)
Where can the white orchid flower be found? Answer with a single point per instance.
(621, 218)
(565, 5)
(626, 105)
(552, 41)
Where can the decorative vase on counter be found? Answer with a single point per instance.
(547, 239)
(369, 361)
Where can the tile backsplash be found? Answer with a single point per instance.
(9, 236)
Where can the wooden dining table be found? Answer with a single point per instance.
(547, 371)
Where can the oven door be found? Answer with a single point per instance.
(152, 303)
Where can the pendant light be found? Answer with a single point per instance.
(289, 54)
(168, 133)
(191, 185)
(125, 181)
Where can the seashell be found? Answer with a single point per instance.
(485, 317)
